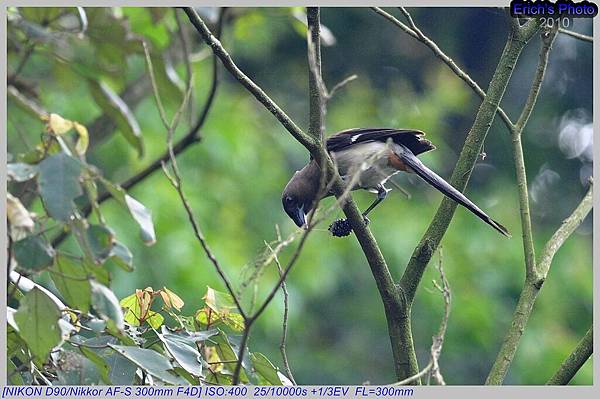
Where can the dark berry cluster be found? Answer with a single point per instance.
(340, 228)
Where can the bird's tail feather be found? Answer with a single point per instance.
(445, 188)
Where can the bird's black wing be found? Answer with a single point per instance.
(411, 139)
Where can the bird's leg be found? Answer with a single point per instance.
(381, 194)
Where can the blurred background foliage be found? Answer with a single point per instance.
(235, 175)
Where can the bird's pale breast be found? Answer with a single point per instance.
(369, 160)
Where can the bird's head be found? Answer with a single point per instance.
(294, 208)
(300, 193)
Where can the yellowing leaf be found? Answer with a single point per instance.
(83, 140)
(155, 319)
(219, 302)
(144, 299)
(132, 309)
(59, 125)
(170, 299)
(17, 214)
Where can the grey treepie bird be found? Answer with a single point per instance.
(367, 158)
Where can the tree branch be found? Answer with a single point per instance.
(252, 87)
(466, 161)
(416, 33)
(191, 137)
(282, 345)
(571, 365)
(316, 87)
(534, 276)
(532, 288)
(398, 325)
(576, 35)
(519, 160)
(413, 273)
(568, 226)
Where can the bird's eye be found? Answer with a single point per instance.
(289, 199)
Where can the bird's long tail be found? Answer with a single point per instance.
(445, 188)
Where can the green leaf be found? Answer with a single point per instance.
(169, 84)
(108, 45)
(155, 319)
(218, 301)
(100, 273)
(141, 214)
(121, 256)
(21, 172)
(142, 21)
(15, 377)
(228, 353)
(265, 368)
(59, 184)
(76, 369)
(183, 351)
(122, 371)
(132, 308)
(114, 106)
(101, 365)
(106, 304)
(119, 371)
(71, 280)
(100, 241)
(235, 321)
(37, 318)
(151, 361)
(33, 253)
(40, 15)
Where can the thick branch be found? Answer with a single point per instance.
(398, 325)
(531, 290)
(315, 80)
(466, 161)
(571, 365)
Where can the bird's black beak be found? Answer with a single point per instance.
(296, 214)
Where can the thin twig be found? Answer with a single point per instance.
(340, 85)
(252, 87)
(191, 137)
(576, 35)
(176, 180)
(533, 277)
(282, 345)
(416, 33)
(386, 286)
(567, 227)
(432, 369)
(518, 156)
(186, 58)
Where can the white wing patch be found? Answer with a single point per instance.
(355, 137)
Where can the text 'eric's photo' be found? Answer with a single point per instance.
(256, 201)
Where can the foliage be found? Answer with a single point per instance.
(78, 332)
(335, 313)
